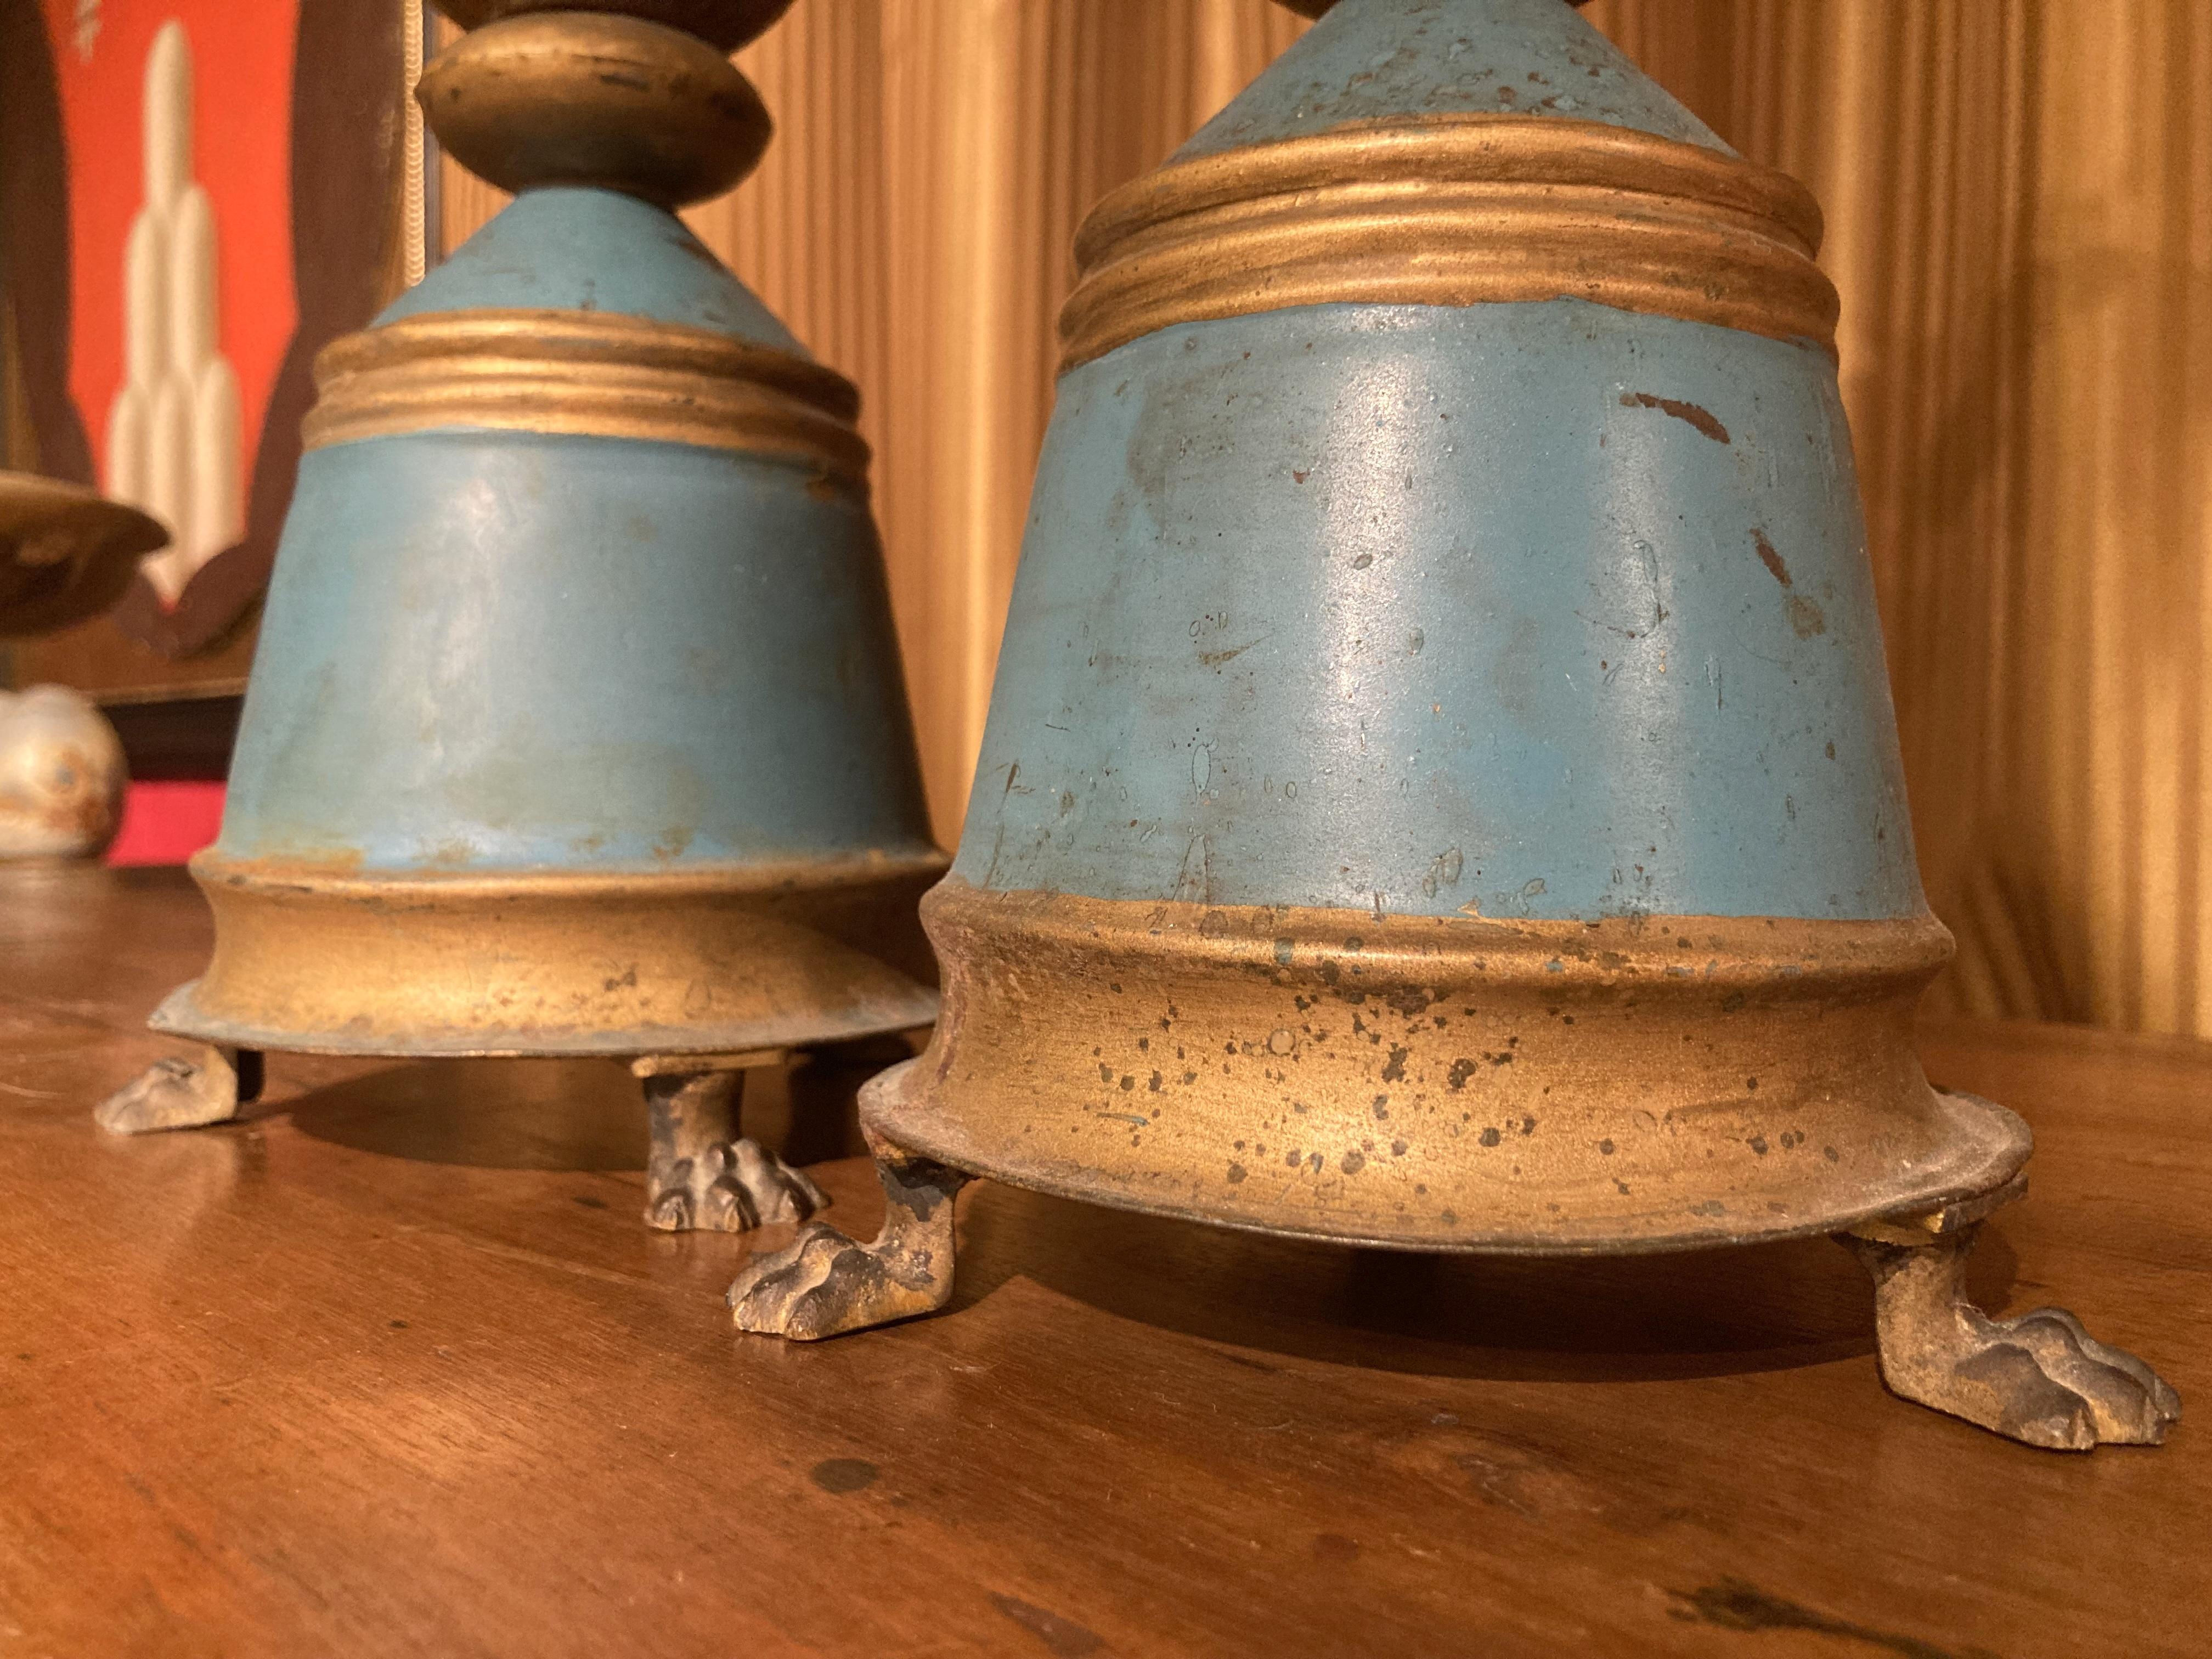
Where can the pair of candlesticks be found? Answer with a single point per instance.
(1440, 791)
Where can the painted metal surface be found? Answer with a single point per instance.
(723, 24)
(691, 957)
(593, 373)
(576, 248)
(67, 553)
(595, 98)
(1519, 610)
(1385, 58)
(1454, 209)
(1442, 1083)
(1441, 791)
(501, 650)
(576, 725)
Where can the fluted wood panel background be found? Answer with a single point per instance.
(935, 279)
(2020, 206)
(2019, 203)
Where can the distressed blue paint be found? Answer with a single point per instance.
(1401, 607)
(574, 249)
(504, 650)
(1391, 59)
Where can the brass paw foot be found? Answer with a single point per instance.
(731, 1187)
(2039, 1378)
(826, 1284)
(701, 1173)
(183, 1094)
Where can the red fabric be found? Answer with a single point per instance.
(167, 823)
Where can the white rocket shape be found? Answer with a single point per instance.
(174, 439)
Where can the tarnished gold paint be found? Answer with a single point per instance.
(596, 99)
(1454, 211)
(66, 552)
(1440, 1082)
(727, 24)
(597, 374)
(1304, 8)
(316, 958)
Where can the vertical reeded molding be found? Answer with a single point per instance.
(2112, 618)
(414, 186)
(1005, 120)
(1913, 125)
(965, 88)
(2019, 214)
(464, 201)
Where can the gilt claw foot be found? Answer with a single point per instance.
(2039, 1378)
(730, 1187)
(824, 1284)
(2042, 1379)
(183, 1094)
(701, 1172)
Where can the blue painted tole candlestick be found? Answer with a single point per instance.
(1441, 791)
(576, 725)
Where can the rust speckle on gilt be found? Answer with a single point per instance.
(1285, 1053)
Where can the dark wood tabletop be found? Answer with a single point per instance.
(393, 1367)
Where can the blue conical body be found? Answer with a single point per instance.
(1441, 789)
(510, 650)
(607, 670)
(1431, 610)
(1441, 57)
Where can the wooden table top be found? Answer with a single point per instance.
(394, 1368)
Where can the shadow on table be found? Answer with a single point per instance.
(488, 1113)
(574, 1114)
(1709, 1313)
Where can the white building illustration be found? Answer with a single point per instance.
(174, 440)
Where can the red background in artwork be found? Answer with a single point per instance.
(241, 53)
(166, 821)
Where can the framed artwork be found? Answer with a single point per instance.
(196, 196)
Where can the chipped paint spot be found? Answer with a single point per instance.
(1700, 418)
(1771, 559)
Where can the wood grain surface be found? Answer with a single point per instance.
(393, 1367)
